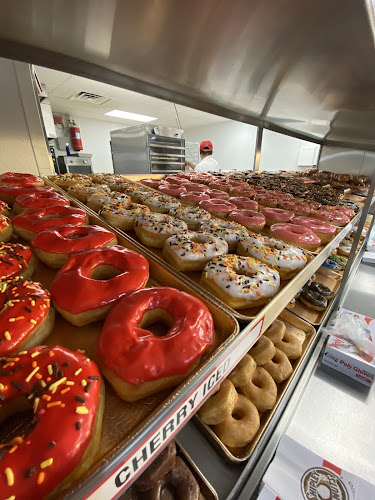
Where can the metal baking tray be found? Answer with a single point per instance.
(299, 327)
(328, 277)
(206, 490)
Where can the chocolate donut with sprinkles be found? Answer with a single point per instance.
(66, 392)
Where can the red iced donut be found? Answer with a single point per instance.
(39, 200)
(90, 283)
(172, 179)
(139, 363)
(255, 221)
(66, 392)
(6, 229)
(9, 193)
(54, 246)
(16, 259)
(33, 221)
(217, 207)
(243, 202)
(193, 198)
(172, 189)
(152, 183)
(217, 193)
(322, 229)
(296, 235)
(275, 215)
(4, 209)
(194, 186)
(20, 179)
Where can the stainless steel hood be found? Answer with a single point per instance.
(301, 67)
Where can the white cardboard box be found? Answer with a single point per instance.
(342, 355)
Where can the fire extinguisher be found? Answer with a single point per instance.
(75, 132)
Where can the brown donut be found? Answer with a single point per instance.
(219, 406)
(261, 390)
(276, 331)
(291, 345)
(279, 367)
(158, 469)
(262, 351)
(242, 373)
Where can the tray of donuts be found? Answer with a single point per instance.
(171, 474)
(208, 258)
(237, 415)
(56, 360)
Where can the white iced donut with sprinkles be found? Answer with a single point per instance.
(154, 229)
(190, 251)
(286, 259)
(231, 232)
(240, 282)
(193, 216)
(122, 216)
(161, 203)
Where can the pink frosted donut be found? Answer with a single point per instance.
(266, 200)
(241, 192)
(217, 193)
(332, 216)
(296, 235)
(217, 207)
(152, 183)
(172, 189)
(275, 215)
(194, 197)
(194, 186)
(245, 203)
(172, 179)
(322, 229)
(287, 205)
(255, 221)
(221, 186)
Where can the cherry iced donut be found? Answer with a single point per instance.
(38, 200)
(122, 215)
(20, 179)
(240, 282)
(16, 260)
(252, 220)
(9, 192)
(275, 215)
(190, 251)
(231, 232)
(154, 229)
(296, 235)
(64, 439)
(291, 345)
(147, 363)
(26, 317)
(91, 282)
(6, 229)
(219, 406)
(322, 229)
(261, 390)
(193, 198)
(262, 351)
(217, 207)
(4, 209)
(285, 259)
(193, 216)
(172, 189)
(33, 221)
(54, 246)
(279, 367)
(275, 332)
(161, 204)
(242, 202)
(241, 426)
(242, 373)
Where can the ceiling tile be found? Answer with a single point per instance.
(51, 76)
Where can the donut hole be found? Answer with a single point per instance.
(104, 272)
(74, 237)
(244, 272)
(52, 216)
(157, 321)
(15, 416)
(238, 414)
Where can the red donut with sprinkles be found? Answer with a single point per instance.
(6, 229)
(16, 260)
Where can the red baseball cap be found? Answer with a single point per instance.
(206, 145)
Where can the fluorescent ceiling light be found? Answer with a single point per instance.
(130, 116)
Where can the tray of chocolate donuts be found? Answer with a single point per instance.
(236, 416)
(96, 339)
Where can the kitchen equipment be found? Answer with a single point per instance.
(81, 164)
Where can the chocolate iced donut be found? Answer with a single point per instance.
(322, 289)
(158, 469)
(314, 300)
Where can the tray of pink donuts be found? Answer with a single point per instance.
(237, 415)
(76, 295)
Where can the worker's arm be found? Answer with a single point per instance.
(190, 164)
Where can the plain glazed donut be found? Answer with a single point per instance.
(252, 220)
(291, 345)
(91, 282)
(192, 216)
(279, 367)
(157, 469)
(218, 207)
(193, 198)
(276, 215)
(275, 332)
(219, 406)
(138, 363)
(67, 420)
(262, 351)
(261, 390)
(241, 426)
(19, 179)
(296, 235)
(16, 260)
(54, 246)
(242, 202)
(242, 373)
(154, 229)
(38, 200)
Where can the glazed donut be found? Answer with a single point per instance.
(161, 203)
(193, 198)
(153, 183)
(276, 215)
(154, 229)
(279, 367)
(172, 189)
(33, 221)
(6, 229)
(261, 390)
(242, 373)
(217, 207)
(193, 216)
(231, 232)
(122, 215)
(157, 469)
(20, 179)
(91, 282)
(255, 221)
(67, 421)
(194, 186)
(276, 331)
(4, 209)
(322, 229)
(296, 235)
(55, 246)
(262, 351)
(98, 200)
(285, 259)
(244, 203)
(147, 363)
(190, 251)
(9, 193)
(313, 299)
(39, 200)
(240, 282)
(219, 406)
(290, 345)
(16, 260)
(217, 193)
(241, 426)
(82, 191)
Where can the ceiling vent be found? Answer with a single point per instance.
(89, 97)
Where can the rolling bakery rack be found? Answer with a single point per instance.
(303, 69)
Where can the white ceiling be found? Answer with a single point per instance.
(61, 86)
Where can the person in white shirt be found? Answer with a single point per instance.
(207, 163)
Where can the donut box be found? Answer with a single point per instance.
(298, 327)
